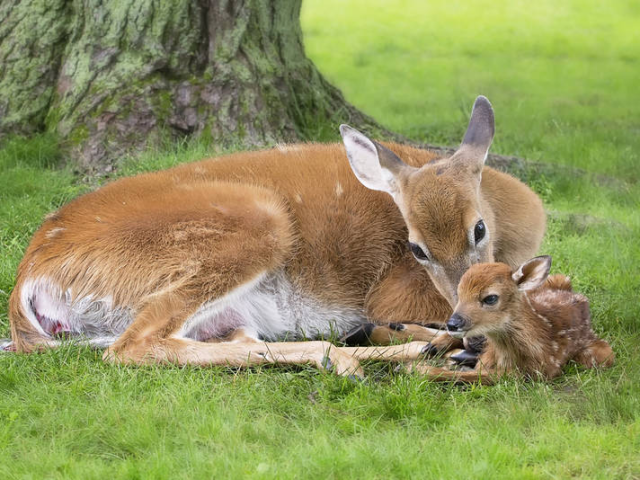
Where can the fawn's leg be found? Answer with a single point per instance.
(597, 354)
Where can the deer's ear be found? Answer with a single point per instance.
(375, 166)
(474, 148)
(533, 273)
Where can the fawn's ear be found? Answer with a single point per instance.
(533, 273)
(375, 166)
(474, 148)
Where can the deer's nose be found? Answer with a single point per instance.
(456, 323)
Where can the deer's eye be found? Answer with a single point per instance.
(418, 252)
(479, 232)
(490, 300)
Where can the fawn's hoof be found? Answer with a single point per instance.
(465, 358)
(475, 344)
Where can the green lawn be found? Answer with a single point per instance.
(563, 79)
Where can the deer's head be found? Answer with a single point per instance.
(440, 201)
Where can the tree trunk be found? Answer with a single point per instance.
(109, 77)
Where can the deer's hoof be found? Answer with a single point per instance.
(360, 335)
(398, 327)
(430, 350)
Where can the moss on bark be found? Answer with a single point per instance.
(110, 76)
(32, 42)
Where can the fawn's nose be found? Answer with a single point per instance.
(456, 323)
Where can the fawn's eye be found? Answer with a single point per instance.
(418, 252)
(490, 300)
(479, 232)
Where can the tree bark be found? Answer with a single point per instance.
(109, 77)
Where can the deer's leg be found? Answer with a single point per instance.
(387, 334)
(396, 353)
(240, 335)
(406, 352)
(443, 344)
(322, 355)
(439, 341)
(182, 351)
(597, 354)
(154, 338)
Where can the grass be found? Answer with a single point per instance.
(563, 81)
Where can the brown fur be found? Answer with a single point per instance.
(533, 333)
(161, 244)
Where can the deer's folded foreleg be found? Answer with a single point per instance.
(154, 337)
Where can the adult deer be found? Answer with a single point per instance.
(266, 245)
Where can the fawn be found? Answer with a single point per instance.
(205, 262)
(534, 323)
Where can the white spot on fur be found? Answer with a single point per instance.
(544, 319)
(54, 232)
(339, 190)
(298, 198)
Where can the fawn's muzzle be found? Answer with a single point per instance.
(457, 325)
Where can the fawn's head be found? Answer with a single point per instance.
(489, 296)
(440, 201)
